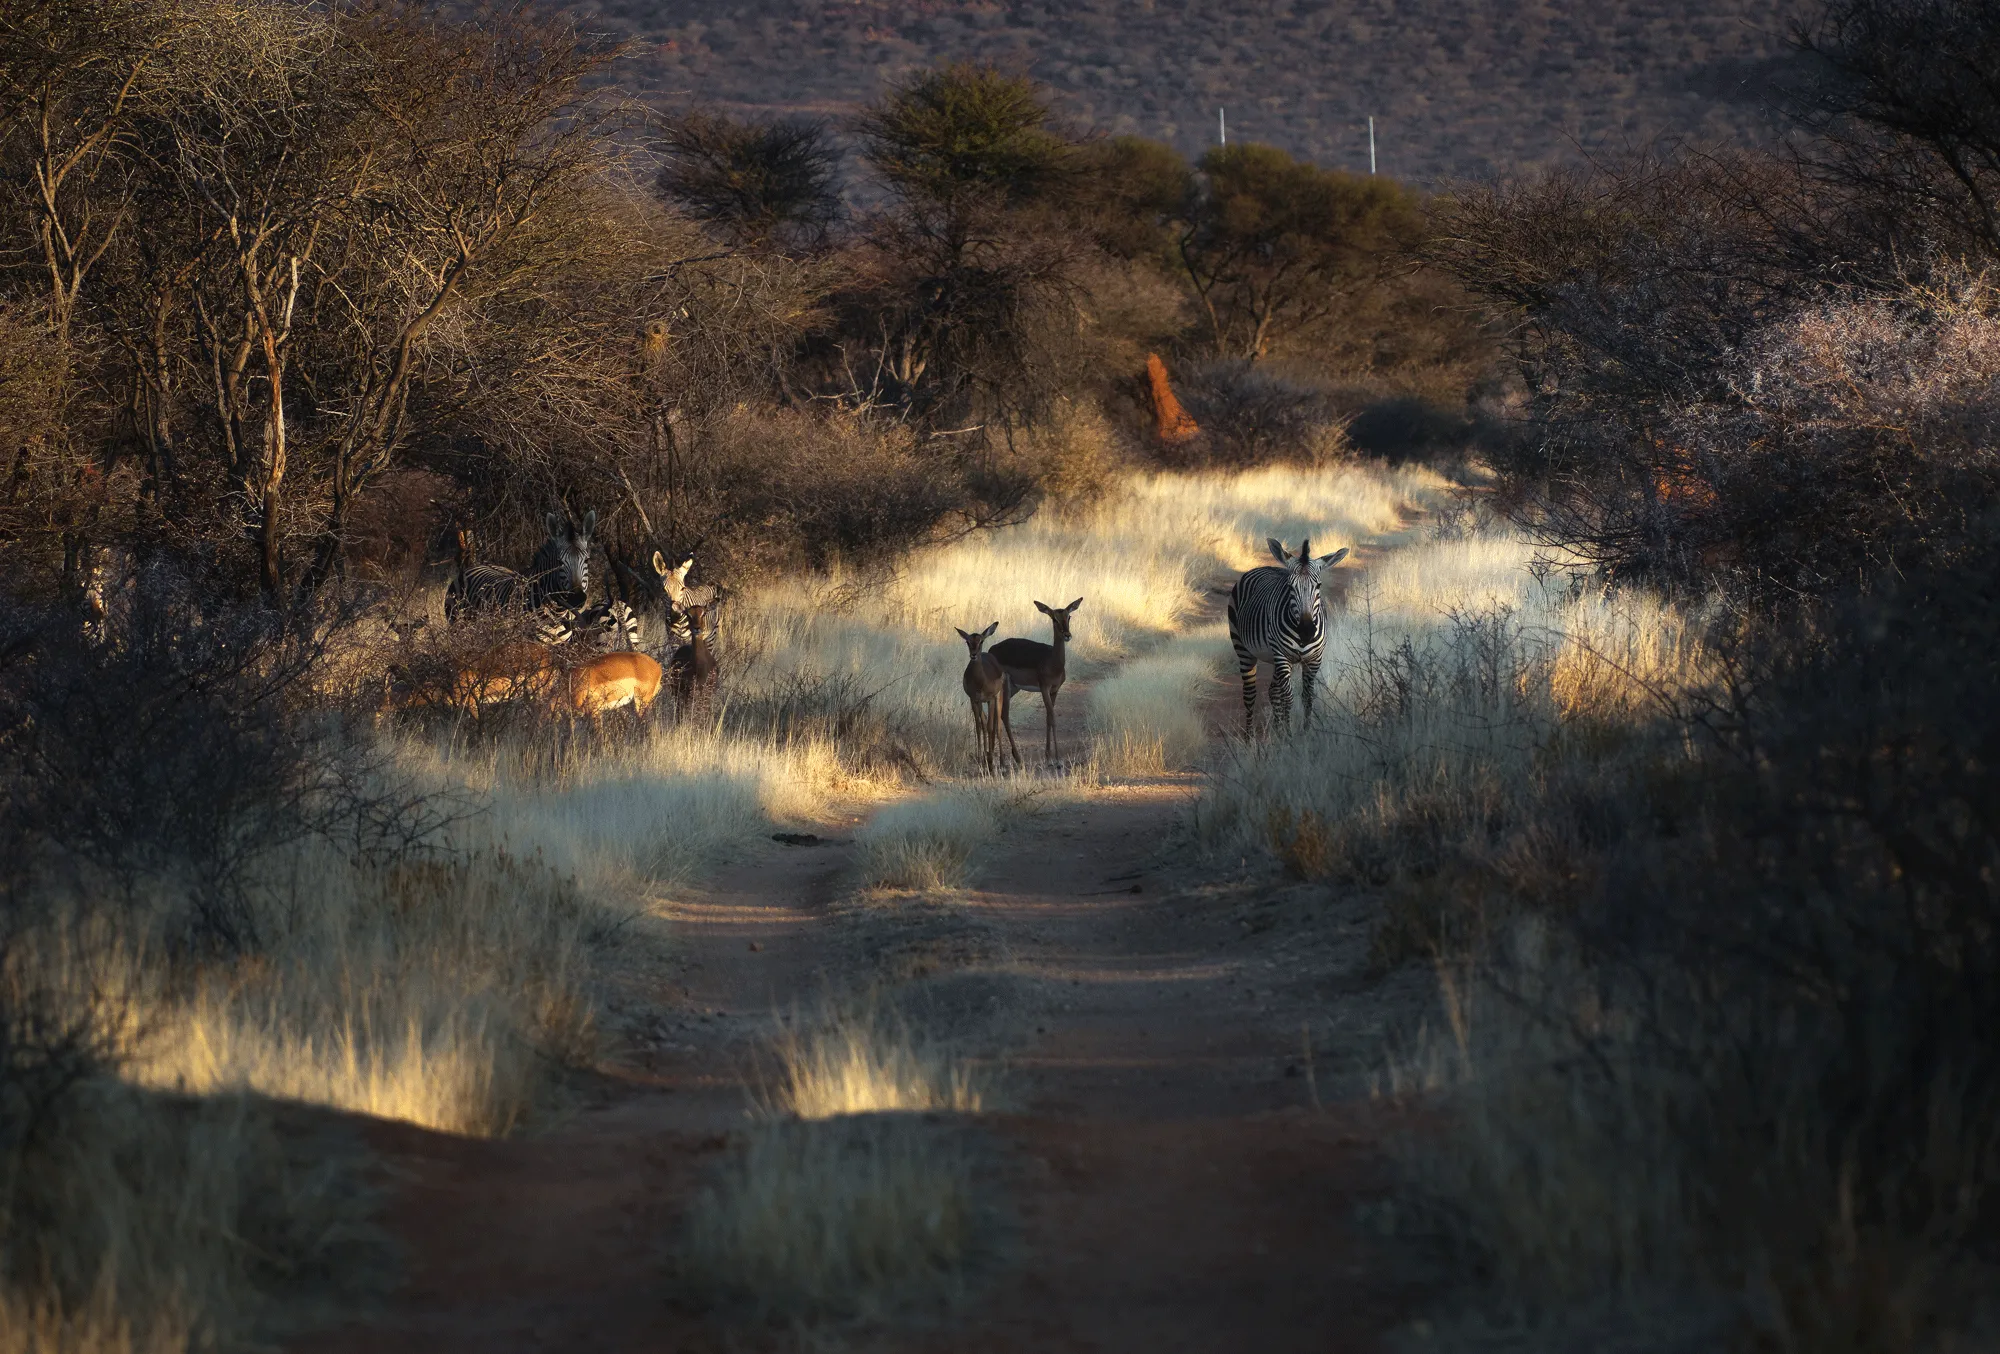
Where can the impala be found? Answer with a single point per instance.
(1033, 666)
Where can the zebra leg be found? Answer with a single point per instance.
(1248, 666)
(1308, 679)
(1281, 693)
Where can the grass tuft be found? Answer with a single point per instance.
(843, 1218)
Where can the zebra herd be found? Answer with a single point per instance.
(553, 596)
(555, 591)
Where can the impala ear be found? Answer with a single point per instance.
(1328, 561)
(987, 633)
(1043, 608)
(1278, 549)
(961, 634)
(1071, 608)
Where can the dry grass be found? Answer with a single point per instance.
(1454, 670)
(851, 1198)
(441, 994)
(848, 1218)
(1141, 557)
(865, 1060)
(928, 842)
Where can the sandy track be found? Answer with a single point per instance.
(1172, 1185)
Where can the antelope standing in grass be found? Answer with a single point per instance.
(1277, 616)
(523, 670)
(612, 682)
(1033, 666)
(986, 686)
(693, 667)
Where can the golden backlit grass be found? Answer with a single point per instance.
(849, 1198)
(1142, 558)
(864, 1060)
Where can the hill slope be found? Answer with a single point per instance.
(1459, 87)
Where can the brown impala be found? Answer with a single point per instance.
(1033, 666)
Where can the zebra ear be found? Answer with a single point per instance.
(1328, 561)
(659, 564)
(681, 573)
(590, 521)
(554, 524)
(1278, 549)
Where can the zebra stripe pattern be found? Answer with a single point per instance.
(559, 573)
(1277, 616)
(608, 625)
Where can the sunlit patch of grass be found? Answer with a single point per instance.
(864, 1061)
(441, 994)
(1140, 557)
(1147, 717)
(96, 1325)
(928, 842)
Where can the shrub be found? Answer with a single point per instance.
(1250, 415)
(856, 1217)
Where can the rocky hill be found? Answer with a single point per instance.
(1459, 88)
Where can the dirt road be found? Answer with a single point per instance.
(1172, 1183)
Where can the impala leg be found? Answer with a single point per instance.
(1281, 693)
(1048, 726)
(1007, 721)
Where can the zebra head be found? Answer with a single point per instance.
(1303, 611)
(562, 565)
(673, 582)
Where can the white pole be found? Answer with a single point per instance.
(1222, 124)
(1371, 143)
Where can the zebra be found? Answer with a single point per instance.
(559, 573)
(1277, 616)
(608, 625)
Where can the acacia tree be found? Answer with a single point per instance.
(1908, 108)
(757, 184)
(967, 284)
(268, 211)
(1272, 247)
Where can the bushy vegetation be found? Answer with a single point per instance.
(1683, 790)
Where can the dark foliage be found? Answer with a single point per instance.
(755, 183)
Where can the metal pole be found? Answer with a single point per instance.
(1371, 143)
(1222, 124)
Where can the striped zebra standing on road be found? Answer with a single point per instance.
(1277, 616)
(559, 574)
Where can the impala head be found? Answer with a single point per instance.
(1303, 572)
(973, 643)
(570, 543)
(1059, 617)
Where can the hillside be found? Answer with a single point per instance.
(1460, 88)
